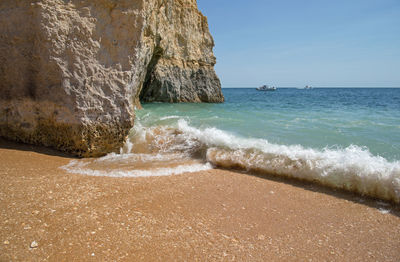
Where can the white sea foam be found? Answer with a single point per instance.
(353, 168)
(127, 148)
(384, 210)
(169, 117)
(79, 167)
(130, 157)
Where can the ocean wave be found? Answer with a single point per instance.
(352, 168)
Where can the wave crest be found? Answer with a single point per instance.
(353, 168)
(350, 169)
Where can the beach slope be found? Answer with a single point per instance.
(47, 215)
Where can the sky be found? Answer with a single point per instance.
(293, 43)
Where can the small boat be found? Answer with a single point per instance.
(266, 88)
(307, 87)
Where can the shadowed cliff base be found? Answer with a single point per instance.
(19, 146)
(75, 139)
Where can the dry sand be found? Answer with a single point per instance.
(215, 215)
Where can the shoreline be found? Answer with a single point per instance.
(209, 215)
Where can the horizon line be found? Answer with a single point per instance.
(317, 87)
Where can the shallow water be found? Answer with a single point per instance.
(317, 118)
(342, 138)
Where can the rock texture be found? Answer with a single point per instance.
(72, 71)
(181, 68)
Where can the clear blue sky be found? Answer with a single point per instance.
(299, 42)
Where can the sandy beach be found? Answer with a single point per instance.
(216, 215)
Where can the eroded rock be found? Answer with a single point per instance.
(72, 72)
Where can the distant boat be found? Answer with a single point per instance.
(266, 88)
(307, 87)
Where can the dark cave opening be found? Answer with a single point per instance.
(146, 92)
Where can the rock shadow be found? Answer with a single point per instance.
(7, 144)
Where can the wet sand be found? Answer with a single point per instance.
(211, 215)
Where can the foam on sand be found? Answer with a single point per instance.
(77, 167)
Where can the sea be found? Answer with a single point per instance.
(345, 138)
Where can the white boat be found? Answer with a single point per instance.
(307, 87)
(266, 88)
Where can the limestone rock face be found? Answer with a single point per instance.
(182, 63)
(72, 71)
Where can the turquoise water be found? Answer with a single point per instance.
(341, 138)
(317, 118)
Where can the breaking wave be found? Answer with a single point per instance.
(174, 140)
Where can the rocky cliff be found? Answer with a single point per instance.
(72, 71)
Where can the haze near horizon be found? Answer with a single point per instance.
(296, 43)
